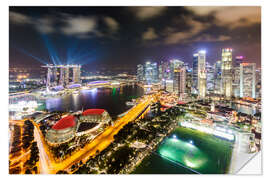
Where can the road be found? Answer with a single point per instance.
(91, 149)
(43, 157)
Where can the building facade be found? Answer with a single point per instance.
(169, 85)
(226, 72)
(140, 73)
(217, 77)
(247, 80)
(76, 74)
(199, 73)
(179, 82)
(151, 72)
(60, 75)
(236, 75)
(210, 80)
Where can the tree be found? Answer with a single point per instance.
(28, 171)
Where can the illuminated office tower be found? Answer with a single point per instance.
(202, 84)
(151, 72)
(76, 74)
(236, 76)
(160, 71)
(209, 77)
(140, 73)
(179, 82)
(164, 73)
(169, 85)
(174, 64)
(166, 70)
(188, 81)
(247, 80)
(238, 60)
(217, 77)
(258, 83)
(155, 72)
(236, 81)
(226, 72)
(198, 67)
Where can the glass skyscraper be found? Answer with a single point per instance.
(199, 73)
(247, 80)
(226, 72)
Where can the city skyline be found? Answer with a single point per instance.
(134, 90)
(89, 36)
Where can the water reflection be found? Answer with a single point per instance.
(113, 100)
(53, 103)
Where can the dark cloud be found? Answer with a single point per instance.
(144, 13)
(133, 34)
(150, 34)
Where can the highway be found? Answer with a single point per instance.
(43, 157)
(91, 149)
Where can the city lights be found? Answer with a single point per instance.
(91, 94)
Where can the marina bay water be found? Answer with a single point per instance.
(112, 100)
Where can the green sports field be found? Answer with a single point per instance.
(192, 149)
(202, 152)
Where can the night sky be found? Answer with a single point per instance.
(126, 36)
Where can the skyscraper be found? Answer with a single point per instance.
(151, 72)
(258, 83)
(247, 80)
(236, 76)
(238, 60)
(209, 77)
(188, 81)
(202, 84)
(174, 65)
(140, 73)
(198, 74)
(217, 77)
(160, 71)
(179, 82)
(169, 85)
(226, 72)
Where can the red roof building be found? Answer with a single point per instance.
(66, 122)
(93, 112)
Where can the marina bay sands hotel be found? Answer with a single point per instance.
(63, 75)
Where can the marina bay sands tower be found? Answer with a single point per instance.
(62, 75)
